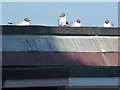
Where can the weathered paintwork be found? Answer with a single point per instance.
(60, 43)
(57, 58)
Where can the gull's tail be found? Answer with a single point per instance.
(10, 23)
(112, 24)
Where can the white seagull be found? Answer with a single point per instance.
(62, 21)
(107, 23)
(77, 23)
(26, 22)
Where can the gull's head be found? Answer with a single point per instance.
(62, 15)
(106, 21)
(27, 20)
(78, 21)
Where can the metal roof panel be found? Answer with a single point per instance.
(61, 43)
(58, 58)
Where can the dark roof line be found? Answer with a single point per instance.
(54, 30)
(58, 72)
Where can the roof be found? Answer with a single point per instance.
(58, 52)
(54, 43)
(57, 58)
(50, 30)
(58, 72)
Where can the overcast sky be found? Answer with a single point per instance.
(46, 13)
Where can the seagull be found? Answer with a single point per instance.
(62, 20)
(26, 22)
(107, 23)
(77, 23)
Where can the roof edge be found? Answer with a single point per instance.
(55, 30)
(59, 72)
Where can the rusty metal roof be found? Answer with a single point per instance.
(39, 46)
(59, 52)
(56, 58)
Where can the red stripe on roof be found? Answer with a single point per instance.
(59, 58)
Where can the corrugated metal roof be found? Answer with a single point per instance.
(57, 58)
(60, 43)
